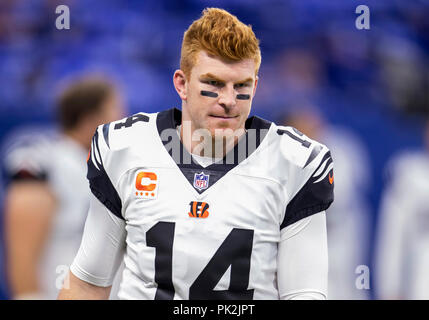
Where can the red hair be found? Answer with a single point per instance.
(220, 34)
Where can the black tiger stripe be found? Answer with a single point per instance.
(100, 183)
(96, 149)
(106, 133)
(326, 156)
(205, 207)
(324, 169)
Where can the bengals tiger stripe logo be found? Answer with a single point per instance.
(198, 209)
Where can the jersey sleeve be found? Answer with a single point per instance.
(303, 259)
(102, 247)
(314, 186)
(99, 181)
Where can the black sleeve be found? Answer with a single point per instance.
(99, 181)
(316, 195)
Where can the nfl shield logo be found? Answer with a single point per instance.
(201, 181)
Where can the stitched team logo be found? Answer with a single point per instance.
(198, 209)
(146, 185)
(201, 181)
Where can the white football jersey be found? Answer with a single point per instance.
(210, 232)
(60, 162)
(403, 239)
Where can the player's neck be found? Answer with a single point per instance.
(80, 137)
(203, 144)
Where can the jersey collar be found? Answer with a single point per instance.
(170, 119)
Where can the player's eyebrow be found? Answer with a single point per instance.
(211, 76)
(248, 80)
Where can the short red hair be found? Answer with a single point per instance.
(220, 34)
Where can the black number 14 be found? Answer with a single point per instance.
(235, 251)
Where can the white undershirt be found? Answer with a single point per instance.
(202, 161)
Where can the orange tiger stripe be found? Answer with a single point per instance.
(194, 209)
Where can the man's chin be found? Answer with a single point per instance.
(226, 132)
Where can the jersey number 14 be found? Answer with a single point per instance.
(235, 251)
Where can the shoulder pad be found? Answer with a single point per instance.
(297, 147)
(99, 182)
(119, 134)
(311, 180)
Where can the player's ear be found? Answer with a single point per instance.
(254, 87)
(179, 80)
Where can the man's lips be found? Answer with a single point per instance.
(223, 117)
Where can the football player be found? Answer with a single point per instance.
(402, 259)
(206, 202)
(48, 198)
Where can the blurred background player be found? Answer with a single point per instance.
(47, 199)
(402, 259)
(348, 223)
(4, 290)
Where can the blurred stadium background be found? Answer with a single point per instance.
(372, 85)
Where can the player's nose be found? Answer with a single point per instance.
(227, 97)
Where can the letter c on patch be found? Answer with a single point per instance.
(146, 187)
